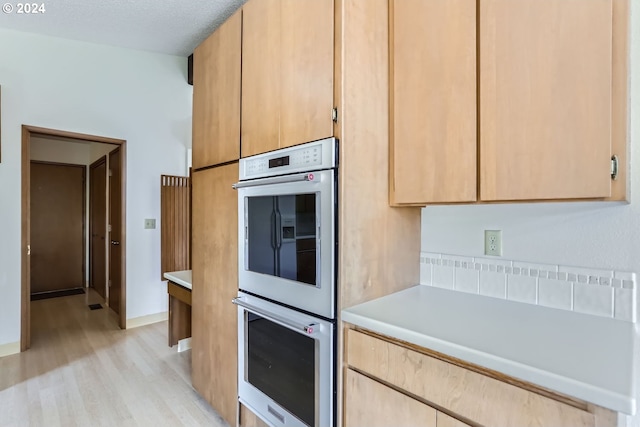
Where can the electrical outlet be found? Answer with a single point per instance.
(493, 242)
(149, 223)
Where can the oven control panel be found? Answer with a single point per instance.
(306, 157)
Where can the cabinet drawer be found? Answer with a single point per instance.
(444, 420)
(179, 292)
(372, 404)
(473, 396)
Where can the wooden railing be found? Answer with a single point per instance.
(175, 222)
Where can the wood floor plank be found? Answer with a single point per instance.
(83, 370)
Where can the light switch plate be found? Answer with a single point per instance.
(149, 223)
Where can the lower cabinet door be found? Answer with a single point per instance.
(214, 324)
(368, 403)
(444, 420)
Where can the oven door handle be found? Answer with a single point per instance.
(309, 328)
(301, 177)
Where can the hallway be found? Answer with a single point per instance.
(82, 370)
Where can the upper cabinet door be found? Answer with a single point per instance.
(433, 101)
(216, 95)
(307, 41)
(260, 76)
(287, 73)
(545, 99)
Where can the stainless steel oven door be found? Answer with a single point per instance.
(287, 239)
(285, 364)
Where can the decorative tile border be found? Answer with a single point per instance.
(591, 291)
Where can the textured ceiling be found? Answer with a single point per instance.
(172, 27)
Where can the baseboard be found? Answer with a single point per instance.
(184, 344)
(9, 349)
(147, 320)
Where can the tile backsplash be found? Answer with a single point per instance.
(591, 291)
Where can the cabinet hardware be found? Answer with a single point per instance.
(614, 167)
(276, 180)
(334, 114)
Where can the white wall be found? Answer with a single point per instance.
(599, 235)
(59, 151)
(100, 90)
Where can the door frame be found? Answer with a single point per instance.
(25, 305)
(92, 166)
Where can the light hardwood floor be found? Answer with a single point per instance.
(82, 370)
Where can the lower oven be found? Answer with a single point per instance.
(286, 361)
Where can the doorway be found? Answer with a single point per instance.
(117, 264)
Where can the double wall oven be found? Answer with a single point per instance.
(287, 233)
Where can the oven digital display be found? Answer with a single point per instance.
(280, 161)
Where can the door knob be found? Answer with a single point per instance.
(115, 242)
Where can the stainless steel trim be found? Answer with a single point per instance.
(275, 180)
(309, 329)
(318, 297)
(275, 413)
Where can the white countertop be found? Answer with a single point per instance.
(588, 357)
(182, 278)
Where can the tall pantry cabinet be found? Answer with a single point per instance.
(215, 276)
(216, 77)
(216, 150)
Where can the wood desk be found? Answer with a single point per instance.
(179, 290)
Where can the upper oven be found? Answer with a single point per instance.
(287, 206)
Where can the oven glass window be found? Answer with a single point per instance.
(282, 238)
(281, 364)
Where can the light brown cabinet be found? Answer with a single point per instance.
(373, 404)
(216, 95)
(444, 420)
(246, 418)
(550, 114)
(215, 284)
(414, 378)
(545, 99)
(287, 73)
(304, 44)
(179, 322)
(433, 101)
